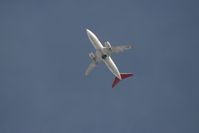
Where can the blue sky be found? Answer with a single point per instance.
(44, 53)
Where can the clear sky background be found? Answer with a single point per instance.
(44, 53)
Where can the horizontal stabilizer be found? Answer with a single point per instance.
(123, 76)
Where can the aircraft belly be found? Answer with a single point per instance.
(111, 66)
(96, 43)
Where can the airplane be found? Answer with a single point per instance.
(103, 54)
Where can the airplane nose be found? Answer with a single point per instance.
(88, 31)
(90, 34)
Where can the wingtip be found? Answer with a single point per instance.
(130, 46)
(86, 74)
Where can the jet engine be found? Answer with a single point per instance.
(92, 56)
(107, 45)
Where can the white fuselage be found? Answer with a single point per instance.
(101, 53)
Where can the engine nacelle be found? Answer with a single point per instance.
(107, 45)
(92, 56)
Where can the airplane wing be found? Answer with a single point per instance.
(118, 49)
(91, 66)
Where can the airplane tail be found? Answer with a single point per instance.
(123, 76)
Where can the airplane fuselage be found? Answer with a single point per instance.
(102, 54)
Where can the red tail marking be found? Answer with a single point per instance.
(123, 76)
(126, 75)
(115, 82)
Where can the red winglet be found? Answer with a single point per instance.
(123, 76)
